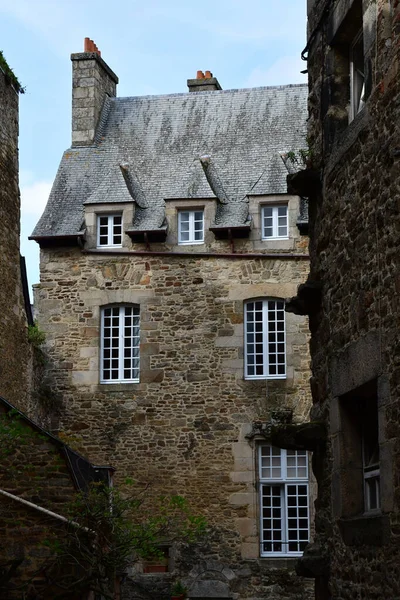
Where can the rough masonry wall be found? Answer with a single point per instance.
(15, 352)
(32, 468)
(355, 228)
(183, 427)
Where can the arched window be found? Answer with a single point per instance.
(120, 344)
(265, 352)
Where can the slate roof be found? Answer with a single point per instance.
(148, 149)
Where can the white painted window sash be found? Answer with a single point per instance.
(277, 221)
(284, 483)
(120, 347)
(109, 228)
(267, 355)
(191, 232)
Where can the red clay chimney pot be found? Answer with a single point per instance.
(208, 75)
(90, 46)
(200, 75)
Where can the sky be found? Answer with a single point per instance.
(152, 46)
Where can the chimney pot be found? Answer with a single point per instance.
(204, 82)
(90, 46)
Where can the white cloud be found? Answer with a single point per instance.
(34, 197)
(285, 70)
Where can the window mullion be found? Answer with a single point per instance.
(285, 546)
(275, 221)
(109, 227)
(265, 337)
(121, 342)
(191, 226)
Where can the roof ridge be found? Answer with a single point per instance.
(215, 92)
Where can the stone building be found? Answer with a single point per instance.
(39, 474)
(352, 294)
(168, 245)
(15, 378)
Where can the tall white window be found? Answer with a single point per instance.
(274, 222)
(120, 339)
(191, 226)
(357, 76)
(109, 231)
(265, 353)
(284, 504)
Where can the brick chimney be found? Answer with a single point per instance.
(204, 82)
(92, 81)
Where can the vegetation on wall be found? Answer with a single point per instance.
(10, 75)
(36, 337)
(109, 531)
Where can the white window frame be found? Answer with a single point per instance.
(192, 212)
(357, 78)
(275, 221)
(122, 345)
(372, 477)
(292, 507)
(260, 334)
(111, 230)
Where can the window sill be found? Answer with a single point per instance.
(111, 247)
(367, 530)
(190, 243)
(120, 382)
(275, 239)
(266, 377)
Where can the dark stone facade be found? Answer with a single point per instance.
(15, 375)
(355, 349)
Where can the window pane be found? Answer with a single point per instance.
(191, 226)
(120, 342)
(274, 221)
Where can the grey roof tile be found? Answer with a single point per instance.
(161, 138)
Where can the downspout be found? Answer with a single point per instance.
(45, 511)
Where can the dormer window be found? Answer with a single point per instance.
(274, 221)
(109, 231)
(191, 226)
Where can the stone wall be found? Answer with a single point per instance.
(92, 82)
(183, 428)
(354, 233)
(32, 469)
(15, 373)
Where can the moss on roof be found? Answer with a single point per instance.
(9, 74)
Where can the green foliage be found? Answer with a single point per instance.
(10, 75)
(178, 589)
(109, 531)
(302, 158)
(36, 337)
(13, 434)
